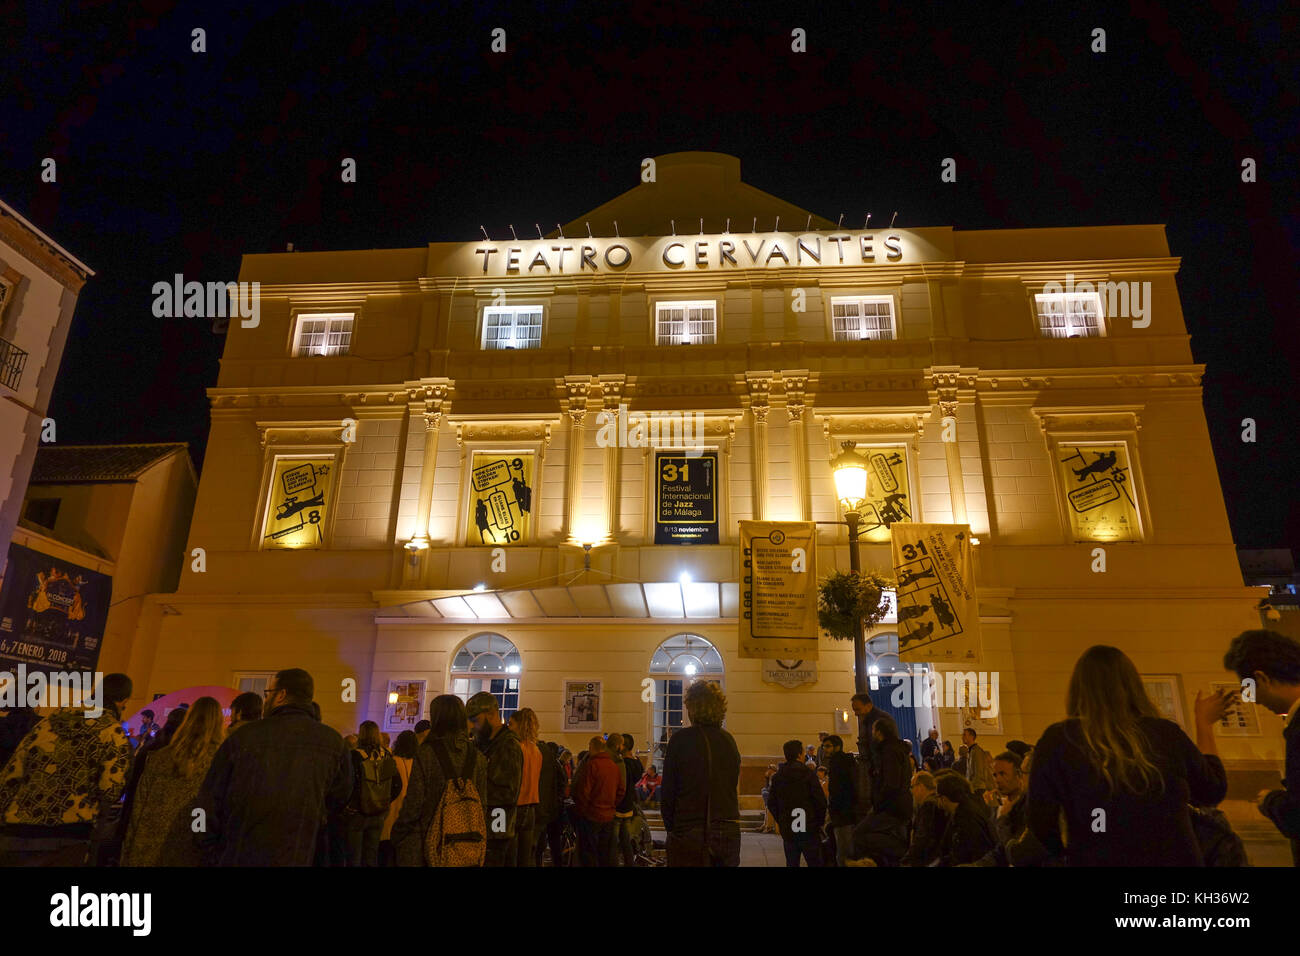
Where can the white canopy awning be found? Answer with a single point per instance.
(685, 601)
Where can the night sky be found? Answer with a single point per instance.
(173, 161)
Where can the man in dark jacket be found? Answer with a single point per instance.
(882, 836)
(798, 805)
(699, 798)
(929, 821)
(505, 773)
(1007, 807)
(843, 797)
(970, 832)
(930, 748)
(868, 715)
(550, 808)
(265, 794)
(625, 812)
(1272, 661)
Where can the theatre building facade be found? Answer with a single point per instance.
(518, 465)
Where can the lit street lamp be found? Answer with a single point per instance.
(849, 469)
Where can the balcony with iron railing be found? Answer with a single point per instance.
(12, 361)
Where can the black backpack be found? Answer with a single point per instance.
(375, 791)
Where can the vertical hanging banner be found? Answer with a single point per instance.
(938, 610)
(778, 590)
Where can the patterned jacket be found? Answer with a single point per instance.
(63, 773)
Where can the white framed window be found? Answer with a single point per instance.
(862, 318)
(323, 333)
(512, 327)
(488, 662)
(1070, 315)
(686, 323)
(254, 681)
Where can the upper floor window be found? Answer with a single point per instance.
(323, 333)
(686, 323)
(1070, 315)
(862, 317)
(512, 327)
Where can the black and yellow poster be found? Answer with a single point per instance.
(778, 590)
(686, 498)
(500, 498)
(300, 489)
(1099, 493)
(52, 612)
(938, 610)
(887, 492)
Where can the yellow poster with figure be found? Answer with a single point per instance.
(295, 513)
(887, 491)
(1099, 493)
(500, 498)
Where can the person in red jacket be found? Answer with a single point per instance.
(598, 787)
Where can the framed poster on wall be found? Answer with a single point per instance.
(404, 705)
(581, 706)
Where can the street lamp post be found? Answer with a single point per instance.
(849, 469)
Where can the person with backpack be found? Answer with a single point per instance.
(376, 784)
(443, 821)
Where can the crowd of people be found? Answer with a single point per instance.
(1113, 784)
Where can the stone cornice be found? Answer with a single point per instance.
(29, 241)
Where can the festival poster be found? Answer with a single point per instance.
(1099, 495)
(500, 498)
(686, 498)
(778, 590)
(938, 610)
(405, 712)
(299, 499)
(887, 498)
(52, 612)
(582, 706)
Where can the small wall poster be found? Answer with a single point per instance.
(409, 707)
(581, 706)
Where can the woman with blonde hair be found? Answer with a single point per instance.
(160, 833)
(1120, 774)
(524, 723)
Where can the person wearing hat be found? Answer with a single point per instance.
(505, 772)
(1019, 747)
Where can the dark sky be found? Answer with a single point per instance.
(171, 161)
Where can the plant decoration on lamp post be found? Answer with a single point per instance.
(850, 603)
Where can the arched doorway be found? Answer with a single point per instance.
(676, 664)
(488, 662)
(915, 718)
